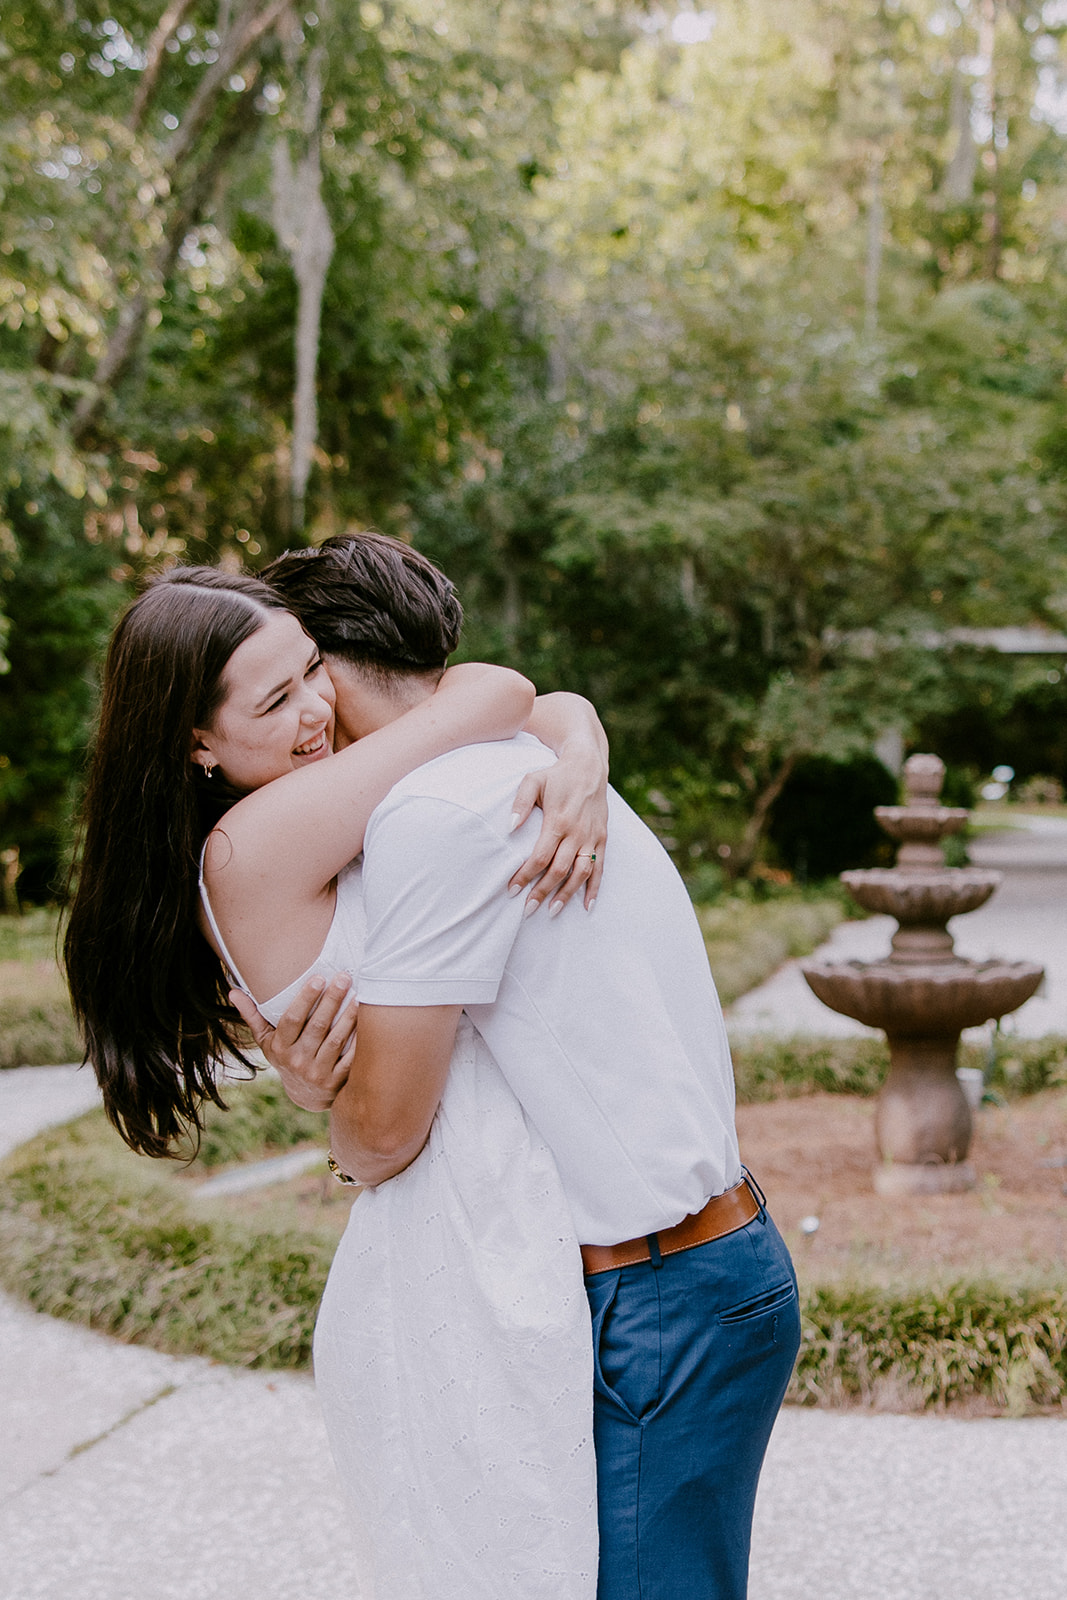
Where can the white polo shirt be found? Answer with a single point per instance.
(607, 1026)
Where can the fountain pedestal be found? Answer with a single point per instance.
(922, 994)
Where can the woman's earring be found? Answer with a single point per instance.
(209, 769)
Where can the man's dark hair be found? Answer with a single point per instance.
(373, 601)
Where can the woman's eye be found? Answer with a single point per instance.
(279, 702)
(316, 666)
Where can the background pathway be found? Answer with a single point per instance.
(129, 1475)
(1026, 920)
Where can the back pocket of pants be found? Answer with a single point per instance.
(769, 1300)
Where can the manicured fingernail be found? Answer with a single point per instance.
(555, 908)
(530, 907)
(515, 820)
(591, 904)
(317, 982)
(513, 890)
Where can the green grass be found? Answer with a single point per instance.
(36, 1026)
(109, 1240)
(748, 939)
(31, 937)
(778, 1069)
(261, 1121)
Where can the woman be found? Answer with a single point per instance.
(468, 1429)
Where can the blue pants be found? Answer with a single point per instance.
(692, 1358)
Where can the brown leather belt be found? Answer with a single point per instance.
(723, 1214)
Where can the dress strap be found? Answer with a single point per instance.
(216, 930)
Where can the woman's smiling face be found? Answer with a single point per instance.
(277, 714)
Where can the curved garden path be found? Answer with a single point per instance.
(130, 1475)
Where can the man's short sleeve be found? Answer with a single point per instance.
(440, 924)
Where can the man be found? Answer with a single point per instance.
(609, 1031)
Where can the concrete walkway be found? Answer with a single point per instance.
(1026, 920)
(128, 1475)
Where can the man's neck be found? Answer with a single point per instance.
(366, 702)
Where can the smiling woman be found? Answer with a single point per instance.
(277, 711)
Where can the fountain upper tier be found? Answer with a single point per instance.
(920, 891)
(920, 832)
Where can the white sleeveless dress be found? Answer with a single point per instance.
(453, 1356)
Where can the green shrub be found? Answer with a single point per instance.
(773, 1069)
(823, 821)
(748, 939)
(778, 1069)
(933, 1346)
(94, 1234)
(260, 1120)
(1025, 1066)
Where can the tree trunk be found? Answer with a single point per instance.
(302, 224)
(875, 229)
(745, 853)
(987, 37)
(958, 186)
(163, 30)
(9, 866)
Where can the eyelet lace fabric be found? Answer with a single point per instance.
(453, 1360)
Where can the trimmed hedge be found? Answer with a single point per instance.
(774, 1069)
(928, 1347)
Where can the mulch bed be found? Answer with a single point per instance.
(814, 1157)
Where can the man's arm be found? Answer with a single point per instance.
(381, 1118)
(440, 929)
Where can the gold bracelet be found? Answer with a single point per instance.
(342, 1177)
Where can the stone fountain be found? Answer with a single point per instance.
(922, 994)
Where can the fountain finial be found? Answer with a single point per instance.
(923, 777)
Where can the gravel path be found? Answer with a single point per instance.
(129, 1475)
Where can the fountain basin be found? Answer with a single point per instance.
(930, 897)
(935, 999)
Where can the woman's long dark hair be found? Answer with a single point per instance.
(148, 992)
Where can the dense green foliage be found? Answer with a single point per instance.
(726, 376)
